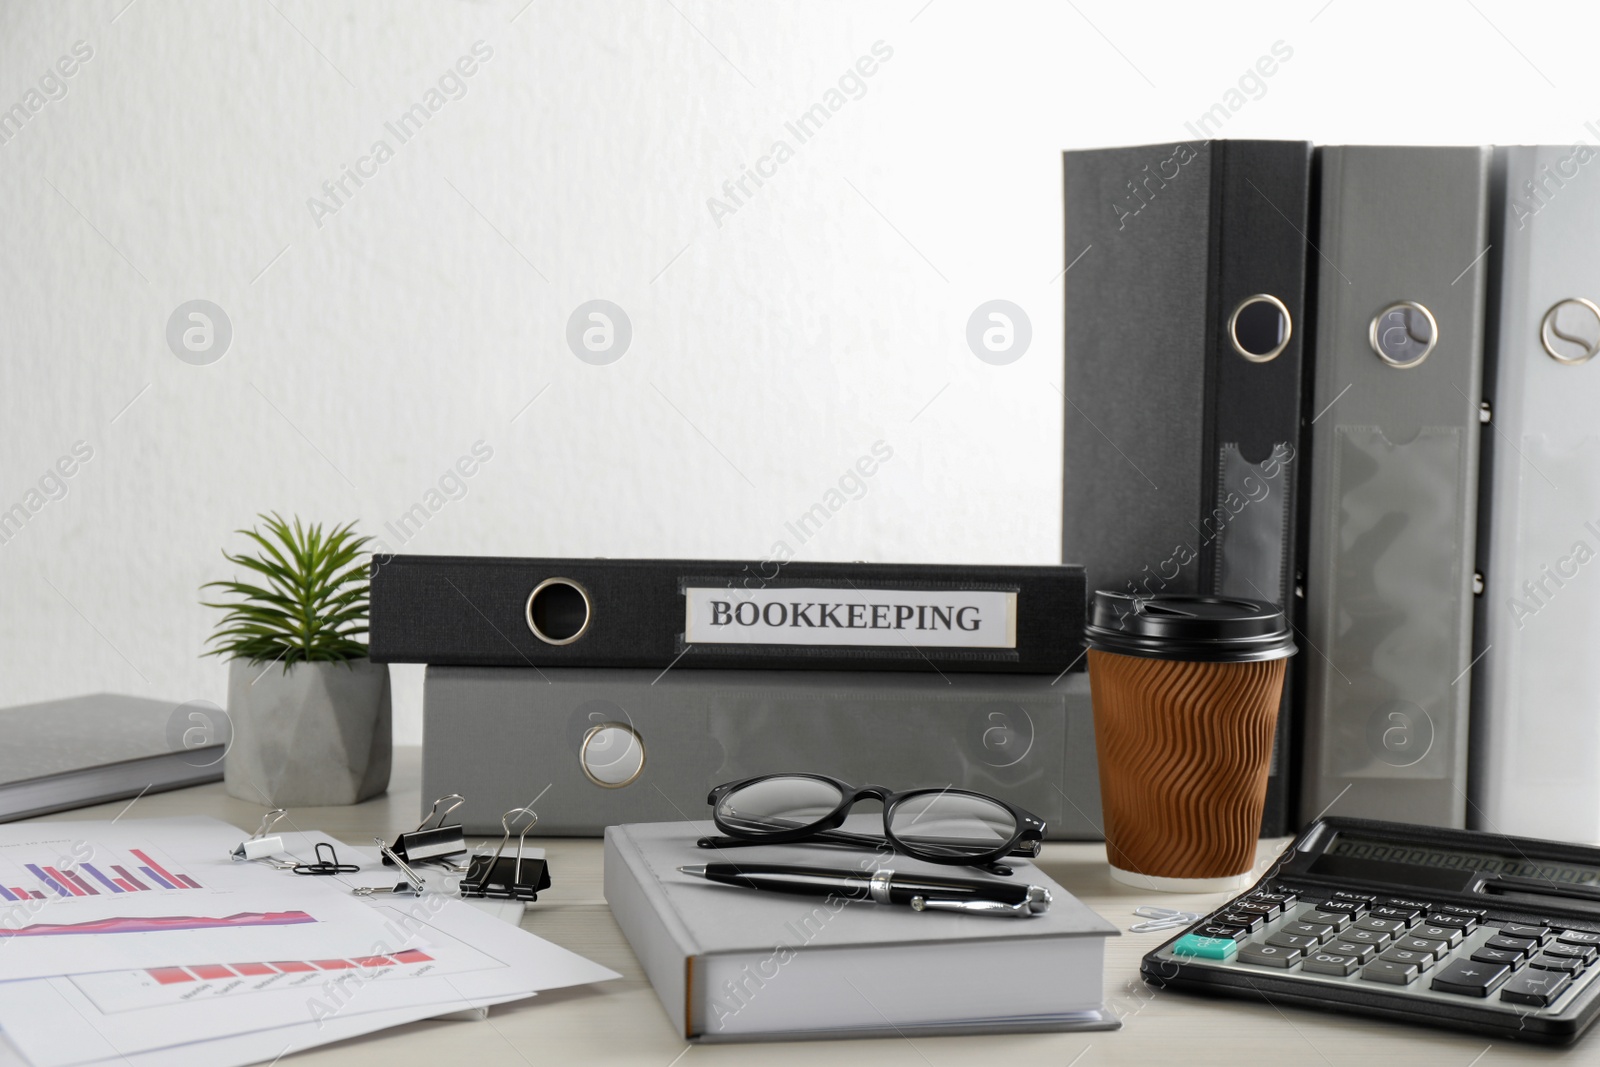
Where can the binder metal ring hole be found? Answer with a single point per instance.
(1570, 331)
(611, 755)
(558, 611)
(1403, 334)
(1260, 328)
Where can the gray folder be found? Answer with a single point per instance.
(1394, 460)
(1536, 689)
(502, 736)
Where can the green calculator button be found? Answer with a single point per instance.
(1206, 948)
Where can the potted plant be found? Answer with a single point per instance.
(310, 713)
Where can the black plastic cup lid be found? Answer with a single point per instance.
(1203, 629)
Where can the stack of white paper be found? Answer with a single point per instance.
(141, 942)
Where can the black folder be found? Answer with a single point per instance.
(478, 611)
(1185, 326)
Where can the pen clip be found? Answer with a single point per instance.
(1036, 902)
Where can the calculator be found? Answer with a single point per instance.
(1456, 928)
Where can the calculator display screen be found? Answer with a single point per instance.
(1411, 854)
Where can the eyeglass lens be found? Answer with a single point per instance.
(779, 804)
(953, 824)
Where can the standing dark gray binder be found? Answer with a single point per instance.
(1395, 424)
(1184, 334)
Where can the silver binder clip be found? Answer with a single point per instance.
(504, 877)
(436, 842)
(1161, 919)
(413, 883)
(259, 846)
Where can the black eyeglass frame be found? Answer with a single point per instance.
(1025, 841)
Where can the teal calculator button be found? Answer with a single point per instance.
(1207, 948)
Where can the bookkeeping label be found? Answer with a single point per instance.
(942, 618)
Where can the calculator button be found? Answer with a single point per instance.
(1266, 911)
(1316, 930)
(1578, 937)
(1537, 988)
(1586, 953)
(1299, 941)
(1448, 934)
(1521, 946)
(1366, 937)
(1239, 918)
(1330, 963)
(1389, 911)
(1340, 947)
(1380, 925)
(1477, 913)
(1282, 899)
(1469, 978)
(1269, 955)
(1206, 948)
(1351, 908)
(1533, 933)
(1423, 944)
(1497, 955)
(1336, 919)
(1391, 972)
(1547, 962)
(1417, 906)
(1420, 960)
(1227, 931)
(1464, 923)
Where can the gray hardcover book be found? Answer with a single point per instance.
(86, 750)
(1394, 425)
(608, 745)
(1536, 730)
(733, 964)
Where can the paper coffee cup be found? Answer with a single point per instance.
(1186, 692)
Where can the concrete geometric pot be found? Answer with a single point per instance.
(318, 735)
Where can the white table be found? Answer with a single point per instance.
(622, 1022)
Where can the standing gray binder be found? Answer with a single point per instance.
(1536, 724)
(1394, 428)
(1184, 334)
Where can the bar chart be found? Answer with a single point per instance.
(136, 870)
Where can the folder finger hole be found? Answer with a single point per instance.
(1403, 334)
(1260, 328)
(558, 611)
(1570, 331)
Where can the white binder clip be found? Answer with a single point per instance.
(259, 846)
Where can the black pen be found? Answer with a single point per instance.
(922, 892)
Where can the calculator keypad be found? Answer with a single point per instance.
(1400, 944)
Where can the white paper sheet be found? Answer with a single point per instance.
(230, 1011)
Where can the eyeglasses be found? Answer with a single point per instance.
(952, 826)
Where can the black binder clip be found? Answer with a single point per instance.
(432, 843)
(504, 877)
(330, 865)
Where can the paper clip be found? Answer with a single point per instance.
(431, 843)
(1161, 919)
(506, 878)
(259, 846)
(413, 883)
(331, 865)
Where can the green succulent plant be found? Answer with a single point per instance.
(311, 605)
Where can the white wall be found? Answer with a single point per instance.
(771, 347)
